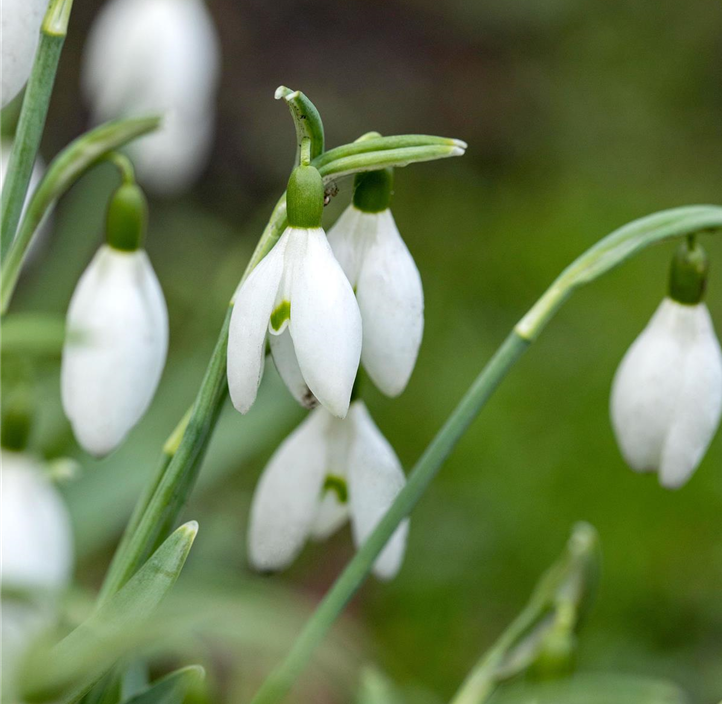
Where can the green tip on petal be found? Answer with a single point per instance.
(304, 197)
(127, 218)
(373, 190)
(688, 274)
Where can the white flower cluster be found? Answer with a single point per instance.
(301, 299)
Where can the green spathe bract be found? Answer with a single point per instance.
(688, 274)
(373, 190)
(127, 218)
(304, 197)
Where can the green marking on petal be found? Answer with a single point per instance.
(338, 485)
(281, 315)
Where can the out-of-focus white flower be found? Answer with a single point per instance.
(326, 471)
(667, 393)
(37, 549)
(21, 22)
(388, 288)
(37, 174)
(300, 295)
(151, 56)
(37, 553)
(113, 358)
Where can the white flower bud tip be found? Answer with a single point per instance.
(117, 342)
(667, 393)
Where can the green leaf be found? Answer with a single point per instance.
(306, 118)
(68, 669)
(172, 689)
(595, 689)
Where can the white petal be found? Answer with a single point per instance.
(349, 238)
(37, 543)
(286, 499)
(375, 480)
(699, 400)
(284, 357)
(114, 358)
(249, 323)
(21, 20)
(391, 300)
(157, 56)
(325, 324)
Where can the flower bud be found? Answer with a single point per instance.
(117, 341)
(667, 393)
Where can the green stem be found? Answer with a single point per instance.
(77, 158)
(32, 119)
(306, 119)
(608, 253)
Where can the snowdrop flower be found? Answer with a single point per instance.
(150, 56)
(117, 333)
(300, 299)
(382, 271)
(21, 22)
(667, 393)
(37, 552)
(327, 471)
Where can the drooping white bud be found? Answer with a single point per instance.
(157, 56)
(21, 22)
(117, 328)
(667, 393)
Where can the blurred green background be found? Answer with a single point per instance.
(580, 116)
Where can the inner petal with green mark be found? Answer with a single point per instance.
(280, 317)
(338, 485)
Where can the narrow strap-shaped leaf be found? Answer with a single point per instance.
(68, 670)
(172, 689)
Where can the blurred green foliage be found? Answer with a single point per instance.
(580, 117)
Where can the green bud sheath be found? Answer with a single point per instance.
(127, 218)
(688, 274)
(304, 197)
(372, 190)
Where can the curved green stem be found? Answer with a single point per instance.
(306, 119)
(32, 118)
(79, 156)
(608, 253)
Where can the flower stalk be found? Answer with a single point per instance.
(32, 118)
